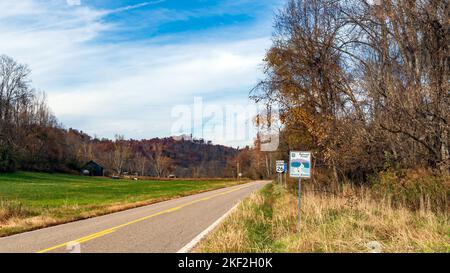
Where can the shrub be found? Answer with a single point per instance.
(417, 189)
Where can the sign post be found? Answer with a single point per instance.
(299, 167)
(299, 201)
(280, 170)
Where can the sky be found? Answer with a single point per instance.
(135, 68)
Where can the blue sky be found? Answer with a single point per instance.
(122, 66)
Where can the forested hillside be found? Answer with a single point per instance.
(157, 157)
(32, 139)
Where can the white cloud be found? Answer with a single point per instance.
(126, 88)
(11, 9)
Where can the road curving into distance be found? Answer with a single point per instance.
(165, 227)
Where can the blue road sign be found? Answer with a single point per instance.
(300, 164)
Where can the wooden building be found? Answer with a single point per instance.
(92, 168)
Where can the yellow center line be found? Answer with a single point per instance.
(113, 229)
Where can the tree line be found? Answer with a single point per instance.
(362, 85)
(32, 139)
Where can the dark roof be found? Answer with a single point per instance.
(93, 162)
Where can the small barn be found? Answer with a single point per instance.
(92, 168)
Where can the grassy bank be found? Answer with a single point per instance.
(35, 200)
(267, 222)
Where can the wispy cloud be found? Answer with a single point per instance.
(131, 7)
(128, 87)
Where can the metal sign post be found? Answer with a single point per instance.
(300, 167)
(299, 200)
(280, 170)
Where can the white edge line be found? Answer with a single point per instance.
(187, 248)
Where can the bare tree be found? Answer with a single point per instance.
(360, 84)
(122, 153)
(141, 162)
(161, 163)
(406, 75)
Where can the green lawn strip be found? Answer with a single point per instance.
(259, 227)
(67, 198)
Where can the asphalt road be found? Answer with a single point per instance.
(163, 227)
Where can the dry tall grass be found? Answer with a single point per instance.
(267, 222)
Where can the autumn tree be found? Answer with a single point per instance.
(307, 79)
(161, 162)
(121, 154)
(406, 75)
(30, 137)
(360, 84)
(140, 163)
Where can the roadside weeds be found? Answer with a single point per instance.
(267, 222)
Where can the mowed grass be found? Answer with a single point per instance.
(267, 222)
(35, 200)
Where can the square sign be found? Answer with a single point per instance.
(280, 166)
(300, 164)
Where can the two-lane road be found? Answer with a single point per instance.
(162, 227)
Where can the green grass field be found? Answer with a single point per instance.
(34, 200)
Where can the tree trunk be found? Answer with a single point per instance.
(444, 153)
